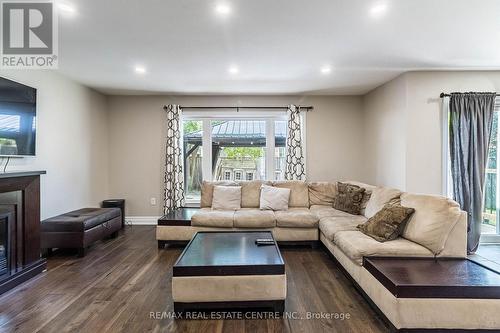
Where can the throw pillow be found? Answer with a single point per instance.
(366, 196)
(274, 198)
(226, 197)
(349, 198)
(388, 223)
(207, 191)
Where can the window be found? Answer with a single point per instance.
(239, 144)
(279, 149)
(193, 155)
(233, 146)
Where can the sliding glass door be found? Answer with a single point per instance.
(491, 191)
(193, 157)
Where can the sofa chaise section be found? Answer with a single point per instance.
(438, 228)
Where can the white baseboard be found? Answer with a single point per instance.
(141, 220)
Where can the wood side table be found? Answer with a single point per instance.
(179, 217)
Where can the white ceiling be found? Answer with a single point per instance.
(279, 46)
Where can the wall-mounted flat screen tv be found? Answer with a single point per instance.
(17, 119)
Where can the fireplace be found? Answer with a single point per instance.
(19, 228)
(4, 245)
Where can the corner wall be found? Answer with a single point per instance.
(385, 140)
(404, 126)
(72, 142)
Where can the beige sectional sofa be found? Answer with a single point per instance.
(438, 228)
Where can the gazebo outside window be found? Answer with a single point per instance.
(239, 149)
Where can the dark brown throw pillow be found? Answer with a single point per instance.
(349, 198)
(388, 223)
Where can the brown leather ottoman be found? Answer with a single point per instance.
(79, 228)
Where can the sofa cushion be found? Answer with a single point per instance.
(379, 198)
(432, 221)
(207, 190)
(299, 192)
(296, 218)
(357, 245)
(388, 223)
(250, 193)
(366, 196)
(226, 197)
(274, 198)
(329, 226)
(348, 198)
(326, 211)
(254, 218)
(207, 217)
(322, 193)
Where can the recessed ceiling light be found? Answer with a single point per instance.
(378, 9)
(140, 69)
(66, 8)
(222, 9)
(325, 69)
(233, 70)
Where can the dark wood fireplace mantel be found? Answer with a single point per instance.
(20, 199)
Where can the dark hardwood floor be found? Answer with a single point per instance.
(121, 281)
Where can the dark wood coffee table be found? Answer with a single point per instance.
(227, 270)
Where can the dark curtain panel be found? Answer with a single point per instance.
(471, 116)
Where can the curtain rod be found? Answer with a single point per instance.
(306, 108)
(442, 95)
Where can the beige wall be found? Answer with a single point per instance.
(416, 94)
(385, 139)
(95, 147)
(72, 142)
(137, 131)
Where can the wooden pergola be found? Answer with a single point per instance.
(234, 133)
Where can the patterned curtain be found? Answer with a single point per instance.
(295, 168)
(174, 176)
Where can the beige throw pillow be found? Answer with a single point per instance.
(274, 198)
(226, 197)
(207, 191)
